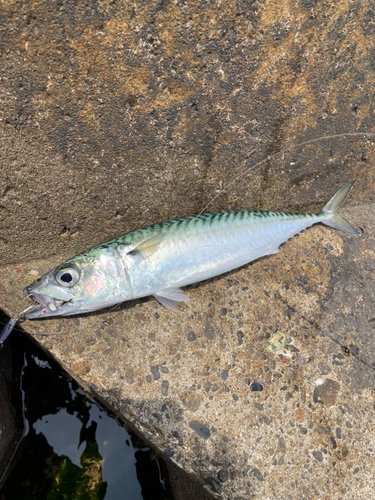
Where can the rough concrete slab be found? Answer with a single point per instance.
(114, 116)
(206, 387)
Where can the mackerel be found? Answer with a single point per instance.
(160, 259)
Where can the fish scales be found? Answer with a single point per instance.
(182, 223)
(196, 250)
(160, 259)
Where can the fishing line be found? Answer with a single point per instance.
(13, 321)
(271, 157)
(9, 327)
(16, 328)
(288, 148)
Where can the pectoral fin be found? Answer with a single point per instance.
(148, 247)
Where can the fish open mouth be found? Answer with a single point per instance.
(43, 304)
(52, 304)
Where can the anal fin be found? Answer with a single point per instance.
(172, 305)
(170, 298)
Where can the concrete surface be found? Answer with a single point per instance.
(180, 485)
(117, 115)
(114, 116)
(204, 387)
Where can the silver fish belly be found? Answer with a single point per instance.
(160, 259)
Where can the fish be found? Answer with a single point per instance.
(160, 259)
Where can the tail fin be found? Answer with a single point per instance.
(333, 219)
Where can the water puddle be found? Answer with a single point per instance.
(71, 448)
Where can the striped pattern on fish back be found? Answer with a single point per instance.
(199, 222)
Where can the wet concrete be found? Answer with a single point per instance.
(114, 117)
(10, 414)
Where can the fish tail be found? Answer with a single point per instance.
(332, 218)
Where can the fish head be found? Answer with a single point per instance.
(77, 286)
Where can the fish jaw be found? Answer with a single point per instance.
(46, 307)
(48, 291)
(48, 297)
(49, 305)
(96, 287)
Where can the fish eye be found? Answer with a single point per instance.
(67, 276)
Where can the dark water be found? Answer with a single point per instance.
(71, 448)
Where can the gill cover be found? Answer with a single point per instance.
(80, 285)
